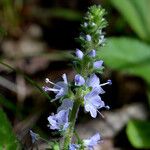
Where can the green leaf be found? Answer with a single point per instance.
(136, 13)
(138, 133)
(128, 55)
(57, 12)
(65, 13)
(8, 140)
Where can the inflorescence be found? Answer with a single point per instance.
(86, 88)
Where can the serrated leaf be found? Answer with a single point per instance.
(136, 13)
(128, 55)
(8, 140)
(138, 133)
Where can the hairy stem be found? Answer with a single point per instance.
(70, 130)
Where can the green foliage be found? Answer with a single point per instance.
(9, 13)
(8, 140)
(67, 14)
(138, 133)
(136, 12)
(54, 145)
(56, 12)
(2, 32)
(8, 104)
(128, 55)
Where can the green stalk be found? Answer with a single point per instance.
(70, 130)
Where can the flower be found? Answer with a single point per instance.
(59, 121)
(92, 53)
(97, 64)
(34, 136)
(79, 80)
(60, 88)
(88, 38)
(94, 82)
(66, 104)
(91, 142)
(79, 54)
(93, 102)
(73, 146)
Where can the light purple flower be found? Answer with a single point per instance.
(88, 38)
(59, 121)
(73, 147)
(60, 88)
(92, 53)
(93, 102)
(94, 82)
(79, 54)
(66, 104)
(34, 136)
(98, 64)
(79, 80)
(91, 142)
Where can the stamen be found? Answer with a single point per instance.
(107, 107)
(48, 81)
(100, 114)
(50, 89)
(110, 82)
(107, 83)
(65, 78)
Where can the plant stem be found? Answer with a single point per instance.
(70, 130)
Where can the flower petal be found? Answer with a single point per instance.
(91, 142)
(91, 109)
(66, 104)
(64, 76)
(98, 64)
(79, 53)
(92, 53)
(59, 121)
(88, 38)
(93, 81)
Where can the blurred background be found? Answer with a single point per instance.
(36, 38)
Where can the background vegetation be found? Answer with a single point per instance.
(37, 38)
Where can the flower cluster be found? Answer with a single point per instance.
(92, 35)
(86, 89)
(88, 143)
